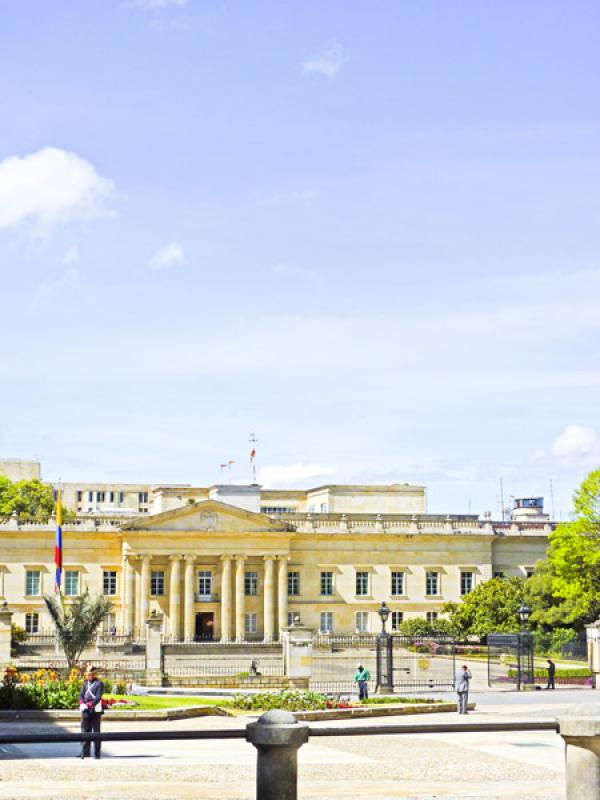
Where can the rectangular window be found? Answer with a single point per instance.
(293, 584)
(71, 583)
(157, 583)
(362, 621)
(432, 616)
(204, 583)
(90, 497)
(32, 622)
(397, 583)
(327, 584)
(100, 496)
(323, 508)
(497, 575)
(143, 497)
(432, 584)
(466, 582)
(109, 582)
(362, 583)
(121, 497)
(326, 622)
(397, 620)
(33, 582)
(291, 616)
(111, 497)
(250, 623)
(251, 584)
(79, 497)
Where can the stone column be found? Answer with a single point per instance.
(580, 728)
(5, 634)
(269, 599)
(154, 649)
(226, 600)
(189, 621)
(174, 601)
(240, 598)
(129, 601)
(144, 594)
(282, 593)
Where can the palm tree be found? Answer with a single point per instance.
(77, 625)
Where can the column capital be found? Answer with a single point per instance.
(226, 557)
(174, 558)
(146, 559)
(240, 558)
(189, 558)
(269, 558)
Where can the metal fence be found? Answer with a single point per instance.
(420, 664)
(510, 659)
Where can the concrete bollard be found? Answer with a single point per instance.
(277, 736)
(580, 728)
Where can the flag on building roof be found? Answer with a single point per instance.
(58, 555)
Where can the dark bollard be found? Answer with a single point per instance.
(277, 736)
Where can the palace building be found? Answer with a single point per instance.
(239, 562)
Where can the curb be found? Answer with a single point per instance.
(392, 710)
(168, 714)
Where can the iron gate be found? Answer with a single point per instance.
(510, 659)
(419, 664)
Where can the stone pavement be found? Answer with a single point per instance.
(419, 767)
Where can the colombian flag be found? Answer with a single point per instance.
(58, 545)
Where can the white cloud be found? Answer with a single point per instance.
(68, 289)
(576, 441)
(71, 256)
(167, 257)
(279, 475)
(49, 188)
(328, 62)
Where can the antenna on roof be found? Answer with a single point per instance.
(253, 440)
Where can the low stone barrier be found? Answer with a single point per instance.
(391, 710)
(184, 712)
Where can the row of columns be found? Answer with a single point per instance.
(232, 585)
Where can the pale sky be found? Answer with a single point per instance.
(368, 232)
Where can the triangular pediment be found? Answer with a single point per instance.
(206, 516)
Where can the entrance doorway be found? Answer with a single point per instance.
(204, 626)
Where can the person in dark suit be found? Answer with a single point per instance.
(551, 673)
(90, 705)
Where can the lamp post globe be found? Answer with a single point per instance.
(384, 613)
(524, 613)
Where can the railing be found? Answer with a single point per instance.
(278, 736)
(231, 670)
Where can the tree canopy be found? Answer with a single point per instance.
(571, 575)
(31, 499)
(490, 608)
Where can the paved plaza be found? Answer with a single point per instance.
(448, 766)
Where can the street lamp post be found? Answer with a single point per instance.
(385, 655)
(524, 649)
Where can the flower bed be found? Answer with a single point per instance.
(44, 689)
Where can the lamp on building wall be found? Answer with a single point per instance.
(384, 613)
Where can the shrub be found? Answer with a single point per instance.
(580, 672)
(287, 699)
(43, 689)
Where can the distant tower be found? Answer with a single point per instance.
(529, 509)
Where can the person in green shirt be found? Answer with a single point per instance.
(361, 678)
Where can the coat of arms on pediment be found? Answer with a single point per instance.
(208, 521)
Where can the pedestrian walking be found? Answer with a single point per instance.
(90, 705)
(551, 674)
(362, 678)
(461, 684)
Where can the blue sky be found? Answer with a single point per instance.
(367, 231)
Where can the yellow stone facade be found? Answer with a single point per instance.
(216, 570)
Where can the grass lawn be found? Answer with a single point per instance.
(158, 703)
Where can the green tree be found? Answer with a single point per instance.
(32, 500)
(574, 560)
(78, 624)
(491, 607)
